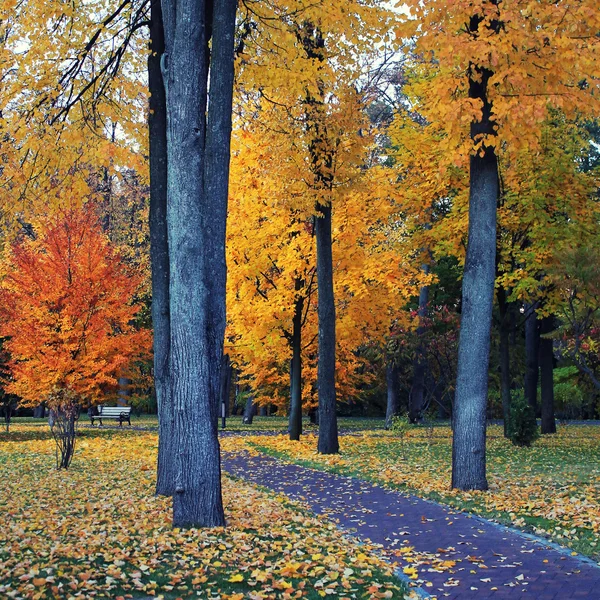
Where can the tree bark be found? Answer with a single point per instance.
(295, 420)
(198, 167)
(469, 419)
(391, 378)
(532, 342)
(328, 430)
(417, 392)
(505, 381)
(249, 410)
(225, 388)
(547, 376)
(159, 254)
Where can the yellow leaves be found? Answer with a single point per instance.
(100, 529)
(411, 572)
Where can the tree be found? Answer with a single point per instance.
(482, 65)
(199, 41)
(69, 312)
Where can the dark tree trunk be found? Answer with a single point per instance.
(249, 410)
(547, 377)
(469, 418)
(532, 342)
(262, 411)
(198, 166)
(505, 381)
(417, 392)
(295, 421)
(225, 388)
(313, 416)
(393, 403)
(159, 254)
(328, 430)
(39, 412)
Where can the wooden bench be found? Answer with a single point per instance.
(119, 413)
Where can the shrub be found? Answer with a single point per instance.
(522, 426)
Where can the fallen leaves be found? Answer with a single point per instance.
(98, 530)
(552, 488)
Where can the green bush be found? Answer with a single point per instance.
(401, 426)
(522, 426)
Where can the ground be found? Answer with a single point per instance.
(99, 531)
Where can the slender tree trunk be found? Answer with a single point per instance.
(393, 403)
(547, 377)
(249, 410)
(532, 342)
(505, 381)
(159, 254)
(328, 430)
(417, 392)
(469, 418)
(295, 421)
(225, 388)
(198, 167)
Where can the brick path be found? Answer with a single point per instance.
(491, 561)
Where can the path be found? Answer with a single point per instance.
(491, 561)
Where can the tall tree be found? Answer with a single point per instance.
(199, 39)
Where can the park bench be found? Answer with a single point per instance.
(119, 413)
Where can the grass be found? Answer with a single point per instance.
(551, 489)
(98, 531)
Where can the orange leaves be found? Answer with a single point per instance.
(125, 546)
(68, 311)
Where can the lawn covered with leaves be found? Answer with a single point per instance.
(98, 531)
(551, 489)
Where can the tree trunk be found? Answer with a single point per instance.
(417, 392)
(225, 388)
(505, 381)
(328, 430)
(39, 412)
(532, 342)
(547, 378)
(469, 419)
(198, 166)
(295, 421)
(159, 254)
(250, 410)
(393, 404)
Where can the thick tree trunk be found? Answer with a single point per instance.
(393, 404)
(328, 430)
(532, 343)
(505, 381)
(417, 392)
(198, 164)
(547, 377)
(295, 420)
(469, 419)
(159, 254)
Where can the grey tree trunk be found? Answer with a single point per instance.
(469, 418)
(532, 342)
(505, 380)
(391, 379)
(547, 376)
(328, 430)
(249, 410)
(417, 392)
(225, 389)
(198, 167)
(295, 420)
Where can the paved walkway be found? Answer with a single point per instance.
(491, 561)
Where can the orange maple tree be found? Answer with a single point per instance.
(68, 312)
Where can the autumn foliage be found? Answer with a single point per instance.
(68, 311)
